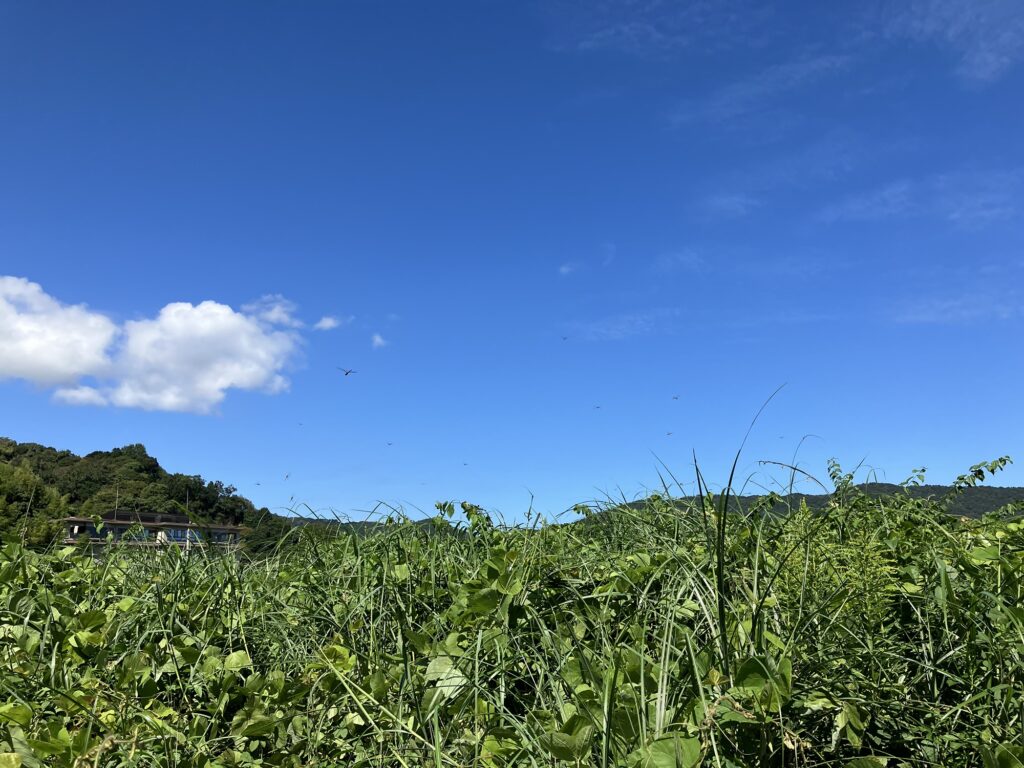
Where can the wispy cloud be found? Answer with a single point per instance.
(987, 36)
(686, 260)
(966, 199)
(759, 90)
(960, 310)
(377, 341)
(568, 268)
(626, 324)
(888, 201)
(731, 205)
(818, 164)
(274, 309)
(653, 28)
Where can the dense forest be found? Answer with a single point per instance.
(40, 485)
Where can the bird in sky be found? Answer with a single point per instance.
(669, 434)
(597, 407)
(346, 371)
(675, 397)
(389, 443)
(287, 475)
(565, 338)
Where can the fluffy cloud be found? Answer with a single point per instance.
(189, 356)
(378, 341)
(47, 342)
(184, 359)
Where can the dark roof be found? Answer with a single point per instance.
(154, 521)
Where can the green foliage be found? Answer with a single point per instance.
(39, 486)
(30, 510)
(872, 632)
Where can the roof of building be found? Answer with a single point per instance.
(151, 520)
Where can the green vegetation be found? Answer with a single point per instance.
(876, 631)
(39, 486)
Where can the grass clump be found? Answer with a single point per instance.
(679, 632)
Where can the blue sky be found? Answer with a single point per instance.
(708, 200)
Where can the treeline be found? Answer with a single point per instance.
(973, 502)
(39, 486)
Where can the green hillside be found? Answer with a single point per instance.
(40, 485)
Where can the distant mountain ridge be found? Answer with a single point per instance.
(39, 486)
(971, 502)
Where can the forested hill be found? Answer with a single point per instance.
(970, 502)
(40, 485)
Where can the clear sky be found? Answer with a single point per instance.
(502, 216)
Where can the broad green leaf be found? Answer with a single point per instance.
(21, 714)
(752, 675)
(484, 600)
(983, 554)
(1003, 756)
(259, 725)
(673, 751)
(438, 668)
(237, 660)
(568, 746)
(125, 604)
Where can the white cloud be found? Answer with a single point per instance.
(377, 341)
(189, 356)
(47, 342)
(274, 309)
(330, 322)
(986, 35)
(567, 269)
(184, 359)
(81, 395)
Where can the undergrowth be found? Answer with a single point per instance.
(678, 632)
